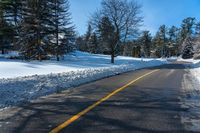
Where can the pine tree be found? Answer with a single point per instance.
(146, 43)
(107, 33)
(6, 33)
(12, 10)
(187, 28)
(93, 44)
(33, 29)
(188, 51)
(45, 27)
(160, 41)
(68, 43)
(196, 47)
(15, 14)
(173, 45)
(132, 48)
(197, 29)
(12, 16)
(87, 38)
(6, 29)
(80, 41)
(61, 26)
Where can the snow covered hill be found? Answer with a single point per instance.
(22, 81)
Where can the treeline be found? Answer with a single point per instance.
(36, 28)
(167, 41)
(39, 29)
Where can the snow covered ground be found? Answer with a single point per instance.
(194, 69)
(191, 99)
(22, 81)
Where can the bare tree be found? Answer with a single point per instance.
(124, 16)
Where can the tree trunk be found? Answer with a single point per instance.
(57, 32)
(3, 51)
(57, 58)
(112, 57)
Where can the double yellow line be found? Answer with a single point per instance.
(85, 111)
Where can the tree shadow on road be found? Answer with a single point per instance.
(144, 109)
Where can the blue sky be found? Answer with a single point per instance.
(155, 12)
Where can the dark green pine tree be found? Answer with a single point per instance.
(93, 44)
(197, 29)
(187, 28)
(107, 33)
(87, 38)
(12, 16)
(80, 41)
(173, 45)
(146, 41)
(173, 33)
(6, 29)
(61, 26)
(188, 51)
(160, 41)
(33, 29)
(16, 17)
(12, 10)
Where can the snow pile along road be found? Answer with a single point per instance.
(196, 70)
(48, 77)
(191, 97)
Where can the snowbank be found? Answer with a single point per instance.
(191, 97)
(30, 80)
(193, 67)
(195, 70)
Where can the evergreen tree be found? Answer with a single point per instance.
(173, 45)
(107, 33)
(45, 27)
(160, 41)
(146, 43)
(12, 10)
(33, 29)
(197, 29)
(12, 16)
(196, 47)
(173, 33)
(68, 43)
(61, 26)
(6, 29)
(93, 44)
(6, 33)
(132, 48)
(80, 41)
(188, 51)
(187, 28)
(87, 38)
(15, 14)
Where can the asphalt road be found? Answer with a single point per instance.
(149, 105)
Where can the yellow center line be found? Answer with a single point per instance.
(77, 116)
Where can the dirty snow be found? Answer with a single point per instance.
(191, 98)
(22, 81)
